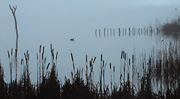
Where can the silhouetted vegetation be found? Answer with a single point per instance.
(165, 72)
(171, 29)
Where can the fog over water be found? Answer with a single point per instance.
(57, 21)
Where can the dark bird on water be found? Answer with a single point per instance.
(72, 39)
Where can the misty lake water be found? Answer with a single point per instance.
(57, 22)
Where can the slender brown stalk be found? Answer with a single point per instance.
(43, 64)
(111, 76)
(40, 64)
(37, 74)
(73, 62)
(114, 74)
(13, 10)
(87, 80)
(10, 65)
(101, 76)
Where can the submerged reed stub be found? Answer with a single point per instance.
(110, 65)
(132, 58)
(113, 68)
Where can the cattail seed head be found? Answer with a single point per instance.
(11, 51)
(45, 60)
(72, 74)
(27, 55)
(101, 57)
(110, 65)
(37, 56)
(8, 54)
(51, 47)
(52, 53)
(103, 63)
(39, 48)
(86, 58)
(56, 55)
(72, 57)
(47, 66)
(122, 54)
(43, 49)
(90, 63)
(15, 52)
(94, 59)
(21, 61)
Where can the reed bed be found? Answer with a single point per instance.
(155, 77)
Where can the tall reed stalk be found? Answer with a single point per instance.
(110, 75)
(101, 72)
(73, 63)
(40, 65)
(13, 10)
